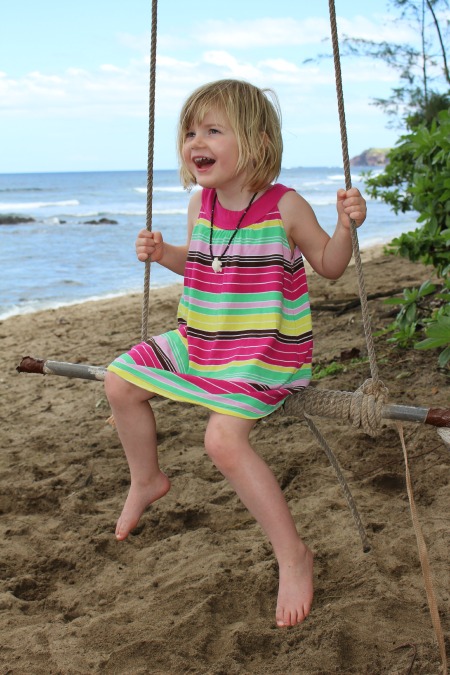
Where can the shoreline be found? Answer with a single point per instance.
(367, 254)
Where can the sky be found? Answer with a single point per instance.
(74, 77)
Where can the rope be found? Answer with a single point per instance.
(363, 408)
(424, 559)
(343, 483)
(151, 138)
(365, 405)
(348, 185)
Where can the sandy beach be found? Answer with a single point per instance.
(193, 589)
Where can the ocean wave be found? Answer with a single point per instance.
(29, 206)
(170, 212)
(177, 188)
(23, 189)
(141, 213)
(317, 183)
(330, 182)
(356, 178)
(320, 201)
(103, 214)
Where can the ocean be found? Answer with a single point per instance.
(61, 258)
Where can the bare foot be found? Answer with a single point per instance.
(139, 497)
(295, 592)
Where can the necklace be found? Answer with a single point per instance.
(216, 262)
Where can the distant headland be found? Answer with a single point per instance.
(371, 157)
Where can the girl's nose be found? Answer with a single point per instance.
(197, 141)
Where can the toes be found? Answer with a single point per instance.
(280, 618)
(121, 531)
(283, 619)
(119, 535)
(290, 618)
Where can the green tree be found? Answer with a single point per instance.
(417, 178)
(424, 76)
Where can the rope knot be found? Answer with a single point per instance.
(367, 406)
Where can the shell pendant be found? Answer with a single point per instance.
(216, 265)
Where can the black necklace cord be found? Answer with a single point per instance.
(235, 230)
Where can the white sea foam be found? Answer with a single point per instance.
(177, 188)
(357, 178)
(317, 183)
(105, 213)
(170, 212)
(170, 189)
(30, 206)
(141, 213)
(319, 201)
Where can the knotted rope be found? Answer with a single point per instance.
(362, 408)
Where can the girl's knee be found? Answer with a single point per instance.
(120, 391)
(115, 387)
(226, 440)
(215, 443)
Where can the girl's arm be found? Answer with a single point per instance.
(328, 256)
(151, 244)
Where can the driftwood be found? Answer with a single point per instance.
(340, 306)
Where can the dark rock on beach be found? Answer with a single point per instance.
(15, 220)
(101, 221)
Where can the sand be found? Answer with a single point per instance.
(193, 589)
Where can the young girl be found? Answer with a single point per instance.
(243, 341)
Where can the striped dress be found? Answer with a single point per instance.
(243, 341)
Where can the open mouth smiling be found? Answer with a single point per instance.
(200, 162)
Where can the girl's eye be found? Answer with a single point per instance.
(190, 134)
(214, 131)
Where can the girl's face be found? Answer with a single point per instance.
(211, 152)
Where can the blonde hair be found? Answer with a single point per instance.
(255, 120)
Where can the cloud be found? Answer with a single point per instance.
(271, 31)
(266, 32)
(77, 91)
(280, 65)
(263, 32)
(170, 63)
(230, 66)
(113, 89)
(124, 90)
(387, 28)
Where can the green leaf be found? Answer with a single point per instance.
(394, 301)
(429, 343)
(444, 357)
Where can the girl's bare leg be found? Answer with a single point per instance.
(227, 443)
(136, 427)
